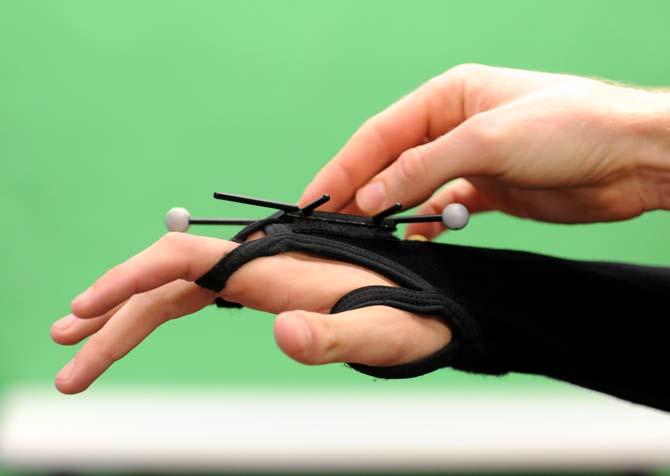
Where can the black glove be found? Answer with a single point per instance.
(598, 325)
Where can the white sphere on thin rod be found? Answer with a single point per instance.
(455, 216)
(177, 219)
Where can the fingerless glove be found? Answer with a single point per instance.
(600, 325)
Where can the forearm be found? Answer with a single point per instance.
(652, 149)
(597, 325)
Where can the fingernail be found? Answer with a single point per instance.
(82, 297)
(66, 372)
(371, 197)
(65, 322)
(417, 238)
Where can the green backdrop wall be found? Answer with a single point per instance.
(113, 112)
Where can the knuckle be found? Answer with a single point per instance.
(325, 345)
(372, 128)
(159, 307)
(460, 84)
(467, 70)
(371, 123)
(238, 290)
(174, 240)
(433, 207)
(486, 134)
(618, 205)
(180, 247)
(346, 172)
(412, 168)
(113, 275)
(101, 351)
(455, 75)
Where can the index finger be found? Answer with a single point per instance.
(174, 256)
(428, 112)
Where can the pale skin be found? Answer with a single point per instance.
(542, 146)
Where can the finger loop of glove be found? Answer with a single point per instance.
(464, 331)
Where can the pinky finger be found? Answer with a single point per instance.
(458, 191)
(130, 325)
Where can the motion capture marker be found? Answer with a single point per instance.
(455, 216)
(178, 219)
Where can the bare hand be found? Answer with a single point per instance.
(544, 146)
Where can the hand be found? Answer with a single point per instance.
(131, 300)
(544, 146)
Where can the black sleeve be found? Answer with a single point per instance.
(599, 325)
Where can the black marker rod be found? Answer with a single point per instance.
(385, 213)
(255, 201)
(455, 216)
(418, 219)
(310, 207)
(179, 219)
(221, 221)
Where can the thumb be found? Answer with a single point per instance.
(374, 335)
(468, 150)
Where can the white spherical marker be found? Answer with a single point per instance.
(455, 216)
(177, 219)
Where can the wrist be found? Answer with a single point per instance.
(652, 151)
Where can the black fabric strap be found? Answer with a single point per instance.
(464, 349)
(220, 302)
(283, 242)
(418, 301)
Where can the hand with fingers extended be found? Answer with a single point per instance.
(397, 308)
(131, 300)
(549, 147)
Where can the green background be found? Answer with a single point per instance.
(113, 112)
